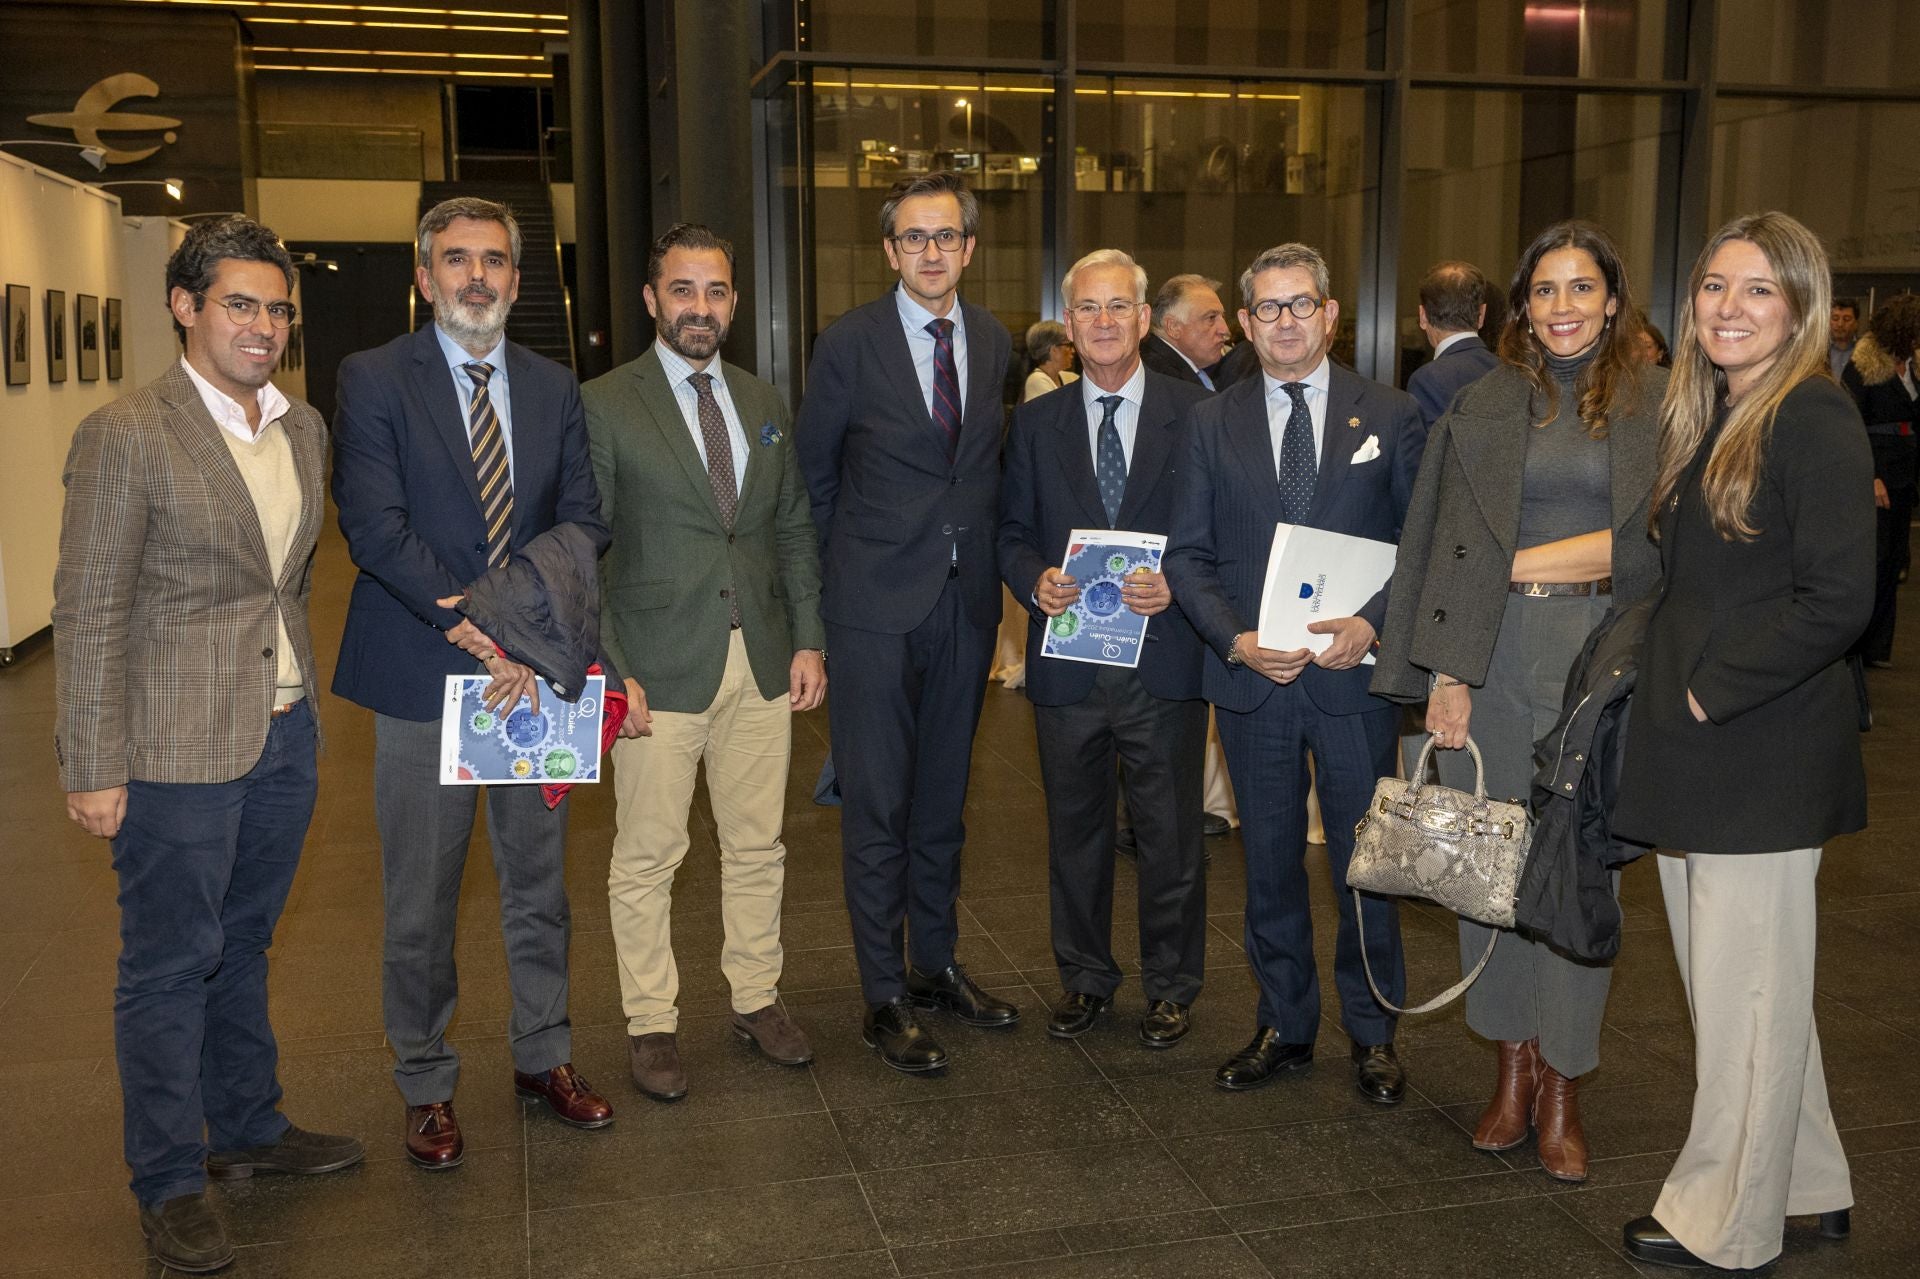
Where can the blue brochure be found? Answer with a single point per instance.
(515, 745)
(1099, 627)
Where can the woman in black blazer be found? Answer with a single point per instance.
(1743, 757)
(1528, 521)
(1880, 375)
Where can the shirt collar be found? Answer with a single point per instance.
(917, 317)
(1450, 341)
(1318, 380)
(1131, 390)
(457, 355)
(225, 410)
(675, 366)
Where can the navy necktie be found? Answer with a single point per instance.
(1296, 457)
(1110, 464)
(946, 383)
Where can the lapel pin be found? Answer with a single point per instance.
(1353, 422)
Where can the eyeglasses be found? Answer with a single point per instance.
(280, 314)
(1302, 307)
(1088, 312)
(916, 241)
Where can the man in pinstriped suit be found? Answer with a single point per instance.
(185, 731)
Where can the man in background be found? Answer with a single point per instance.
(1452, 308)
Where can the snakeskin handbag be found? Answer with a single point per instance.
(1459, 851)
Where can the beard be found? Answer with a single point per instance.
(694, 337)
(475, 316)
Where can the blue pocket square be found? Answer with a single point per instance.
(769, 435)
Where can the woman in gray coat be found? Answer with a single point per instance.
(1528, 521)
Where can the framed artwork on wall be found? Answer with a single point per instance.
(86, 333)
(56, 335)
(18, 335)
(114, 366)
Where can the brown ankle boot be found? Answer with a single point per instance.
(1561, 1143)
(1503, 1125)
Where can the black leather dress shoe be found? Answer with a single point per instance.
(1378, 1074)
(891, 1031)
(1165, 1024)
(1213, 825)
(1648, 1240)
(951, 990)
(1125, 844)
(1261, 1060)
(1837, 1224)
(1075, 1015)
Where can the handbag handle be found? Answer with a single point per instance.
(1419, 776)
(1440, 1000)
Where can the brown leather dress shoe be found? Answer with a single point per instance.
(1503, 1124)
(567, 1094)
(771, 1031)
(433, 1137)
(655, 1062)
(1560, 1142)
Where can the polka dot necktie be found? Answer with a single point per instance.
(1110, 467)
(1296, 457)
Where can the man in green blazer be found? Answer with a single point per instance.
(711, 608)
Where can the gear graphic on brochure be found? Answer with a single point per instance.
(523, 730)
(1100, 597)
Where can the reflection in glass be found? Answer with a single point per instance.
(1875, 43)
(1233, 33)
(943, 28)
(1623, 39)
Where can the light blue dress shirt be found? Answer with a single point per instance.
(915, 318)
(497, 392)
(678, 373)
(1280, 408)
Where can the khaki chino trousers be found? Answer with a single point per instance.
(1763, 1146)
(746, 743)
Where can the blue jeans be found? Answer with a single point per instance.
(204, 872)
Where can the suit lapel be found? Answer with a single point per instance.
(1152, 441)
(1492, 445)
(746, 402)
(1246, 420)
(433, 381)
(310, 463)
(983, 389)
(1076, 456)
(663, 407)
(200, 435)
(896, 357)
(1631, 464)
(1341, 434)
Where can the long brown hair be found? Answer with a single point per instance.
(1608, 384)
(1799, 267)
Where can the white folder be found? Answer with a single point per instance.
(1316, 576)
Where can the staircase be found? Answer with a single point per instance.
(540, 318)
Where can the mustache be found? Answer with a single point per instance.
(478, 293)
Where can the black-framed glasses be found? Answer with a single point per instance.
(916, 240)
(242, 310)
(1121, 309)
(1302, 307)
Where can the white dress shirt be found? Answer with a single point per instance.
(229, 414)
(1280, 408)
(914, 318)
(1126, 418)
(457, 357)
(1452, 339)
(679, 377)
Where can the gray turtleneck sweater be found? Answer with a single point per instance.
(1567, 488)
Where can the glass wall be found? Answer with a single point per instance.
(1388, 133)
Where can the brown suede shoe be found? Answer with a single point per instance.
(433, 1137)
(1560, 1142)
(1503, 1125)
(656, 1065)
(567, 1094)
(778, 1039)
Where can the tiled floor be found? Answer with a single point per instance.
(1030, 1156)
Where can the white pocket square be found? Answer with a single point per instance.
(1367, 451)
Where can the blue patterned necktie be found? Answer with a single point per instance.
(1296, 457)
(1110, 466)
(946, 383)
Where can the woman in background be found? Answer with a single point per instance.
(1051, 355)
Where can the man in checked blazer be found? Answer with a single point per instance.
(1104, 452)
(711, 609)
(185, 726)
(899, 440)
(1310, 443)
(453, 447)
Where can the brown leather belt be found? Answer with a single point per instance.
(1602, 587)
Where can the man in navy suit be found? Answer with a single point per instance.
(453, 447)
(1305, 442)
(1101, 453)
(1453, 306)
(899, 441)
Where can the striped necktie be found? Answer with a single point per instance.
(490, 465)
(946, 383)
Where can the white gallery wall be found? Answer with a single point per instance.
(59, 234)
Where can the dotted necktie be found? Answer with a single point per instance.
(1296, 457)
(1110, 467)
(713, 432)
(946, 383)
(490, 465)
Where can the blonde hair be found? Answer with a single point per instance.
(1799, 266)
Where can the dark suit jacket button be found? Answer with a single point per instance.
(1439, 614)
(1459, 552)
(729, 539)
(955, 480)
(946, 530)
(480, 546)
(266, 652)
